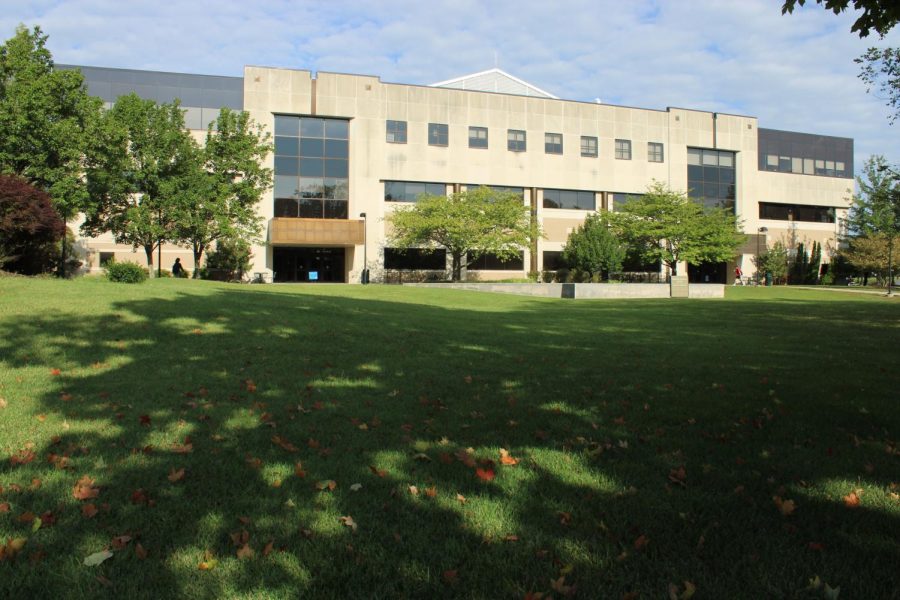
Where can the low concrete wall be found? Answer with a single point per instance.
(583, 290)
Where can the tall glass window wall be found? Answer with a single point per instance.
(711, 177)
(311, 167)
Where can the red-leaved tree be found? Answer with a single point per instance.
(29, 226)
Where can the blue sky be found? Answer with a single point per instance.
(793, 72)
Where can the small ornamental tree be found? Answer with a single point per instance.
(775, 261)
(665, 225)
(28, 223)
(468, 224)
(594, 248)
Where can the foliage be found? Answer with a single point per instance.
(231, 255)
(877, 15)
(775, 261)
(880, 69)
(125, 272)
(141, 172)
(665, 225)
(28, 223)
(804, 269)
(594, 248)
(226, 186)
(470, 223)
(46, 118)
(869, 254)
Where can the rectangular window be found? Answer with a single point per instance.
(515, 140)
(569, 199)
(396, 132)
(415, 259)
(553, 143)
(106, 258)
(655, 152)
(623, 149)
(438, 134)
(490, 262)
(478, 137)
(502, 189)
(796, 212)
(553, 260)
(409, 191)
(588, 146)
(619, 200)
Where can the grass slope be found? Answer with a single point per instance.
(658, 442)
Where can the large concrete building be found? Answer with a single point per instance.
(349, 149)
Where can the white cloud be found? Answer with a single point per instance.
(793, 72)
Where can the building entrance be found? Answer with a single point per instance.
(708, 273)
(312, 265)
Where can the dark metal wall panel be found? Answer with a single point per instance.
(805, 146)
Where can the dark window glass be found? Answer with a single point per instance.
(588, 146)
(311, 208)
(312, 167)
(335, 168)
(285, 207)
(478, 137)
(553, 260)
(438, 134)
(655, 152)
(311, 147)
(287, 146)
(337, 129)
(106, 257)
(415, 259)
(310, 187)
(409, 191)
(623, 149)
(619, 200)
(695, 172)
(287, 165)
(285, 186)
(515, 140)
(553, 143)
(803, 153)
(396, 132)
(569, 199)
(713, 183)
(490, 262)
(337, 188)
(287, 125)
(336, 209)
(796, 212)
(312, 128)
(503, 189)
(336, 149)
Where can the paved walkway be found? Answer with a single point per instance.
(848, 289)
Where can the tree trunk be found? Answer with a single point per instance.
(456, 274)
(198, 253)
(61, 271)
(148, 249)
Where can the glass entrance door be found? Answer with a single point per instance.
(309, 265)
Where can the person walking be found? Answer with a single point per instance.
(738, 276)
(177, 269)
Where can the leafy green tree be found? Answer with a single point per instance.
(775, 261)
(28, 223)
(468, 224)
(665, 225)
(593, 247)
(142, 171)
(877, 15)
(871, 254)
(46, 119)
(875, 212)
(222, 192)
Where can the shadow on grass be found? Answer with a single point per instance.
(601, 403)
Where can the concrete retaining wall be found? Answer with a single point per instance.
(583, 290)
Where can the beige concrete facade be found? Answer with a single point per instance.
(367, 103)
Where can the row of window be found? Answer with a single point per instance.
(805, 166)
(409, 191)
(420, 259)
(796, 212)
(439, 135)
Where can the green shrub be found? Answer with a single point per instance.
(126, 272)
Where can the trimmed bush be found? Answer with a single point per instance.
(126, 272)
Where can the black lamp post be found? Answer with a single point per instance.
(894, 226)
(759, 232)
(365, 271)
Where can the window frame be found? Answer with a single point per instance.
(388, 132)
(512, 143)
(437, 131)
(478, 130)
(652, 154)
(550, 143)
(623, 149)
(596, 146)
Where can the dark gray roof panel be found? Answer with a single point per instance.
(202, 91)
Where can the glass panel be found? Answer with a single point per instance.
(392, 191)
(337, 129)
(693, 156)
(336, 209)
(286, 165)
(311, 187)
(341, 188)
(285, 186)
(285, 207)
(336, 168)
(336, 148)
(711, 174)
(311, 147)
(726, 175)
(726, 159)
(312, 128)
(311, 167)
(839, 168)
(286, 146)
(311, 209)
(772, 160)
(436, 189)
(784, 164)
(695, 189)
(287, 125)
(796, 165)
(586, 200)
(710, 157)
(710, 190)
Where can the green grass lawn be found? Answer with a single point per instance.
(745, 446)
